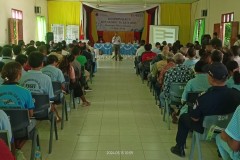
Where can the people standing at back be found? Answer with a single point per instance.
(216, 42)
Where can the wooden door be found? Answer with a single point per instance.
(218, 27)
(235, 27)
(11, 37)
(20, 29)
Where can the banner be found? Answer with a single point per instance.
(72, 33)
(126, 22)
(58, 32)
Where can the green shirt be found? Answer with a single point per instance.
(82, 60)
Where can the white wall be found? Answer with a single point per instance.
(215, 10)
(29, 17)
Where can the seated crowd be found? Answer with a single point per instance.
(31, 69)
(208, 69)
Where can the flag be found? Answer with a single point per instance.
(81, 31)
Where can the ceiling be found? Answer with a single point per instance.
(132, 1)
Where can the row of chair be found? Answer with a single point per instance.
(209, 122)
(24, 127)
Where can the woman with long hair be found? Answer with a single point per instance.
(68, 70)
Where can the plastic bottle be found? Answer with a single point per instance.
(38, 155)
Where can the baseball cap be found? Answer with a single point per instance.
(218, 71)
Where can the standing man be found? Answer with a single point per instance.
(116, 40)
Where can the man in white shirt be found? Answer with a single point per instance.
(116, 40)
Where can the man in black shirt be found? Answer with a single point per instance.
(218, 100)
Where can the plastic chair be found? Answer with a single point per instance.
(175, 95)
(70, 91)
(209, 121)
(145, 69)
(23, 127)
(41, 112)
(60, 98)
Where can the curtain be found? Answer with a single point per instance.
(202, 30)
(179, 15)
(41, 28)
(118, 8)
(195, 33)
(66, 13)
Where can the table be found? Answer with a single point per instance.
(125, 49)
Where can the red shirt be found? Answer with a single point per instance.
(148, 55)
(5, 153)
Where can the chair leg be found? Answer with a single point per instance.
(55, 128)
(199, 146)
(63, 112)
(73, 101)
(51, 133)
(168, 117)
(191, 155)
(65, 107)
(35, 143)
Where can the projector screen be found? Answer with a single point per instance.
(163, 33)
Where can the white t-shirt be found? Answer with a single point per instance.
(116, 40)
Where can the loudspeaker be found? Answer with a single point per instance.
(49, 37)
(37, 10)
(204, 13)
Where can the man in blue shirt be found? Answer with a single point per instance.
(213, 102)
(52, 71)
(228, 141)
(34, 79)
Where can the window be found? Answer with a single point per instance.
(199, 30)
(228, 17)
(41, 28)
(17, 14)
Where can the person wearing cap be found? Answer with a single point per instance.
(217, 100)
(157, 48)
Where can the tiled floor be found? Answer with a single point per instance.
(123, 122)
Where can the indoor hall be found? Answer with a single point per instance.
(123, 122)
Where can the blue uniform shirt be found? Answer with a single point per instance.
(54, 73)
(199, 83)
(37, 82)
(15, 95)
(216, 101)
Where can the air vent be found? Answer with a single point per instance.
(204, 13)
(37, 10)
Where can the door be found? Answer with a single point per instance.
(235, 27)
(218, 27)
